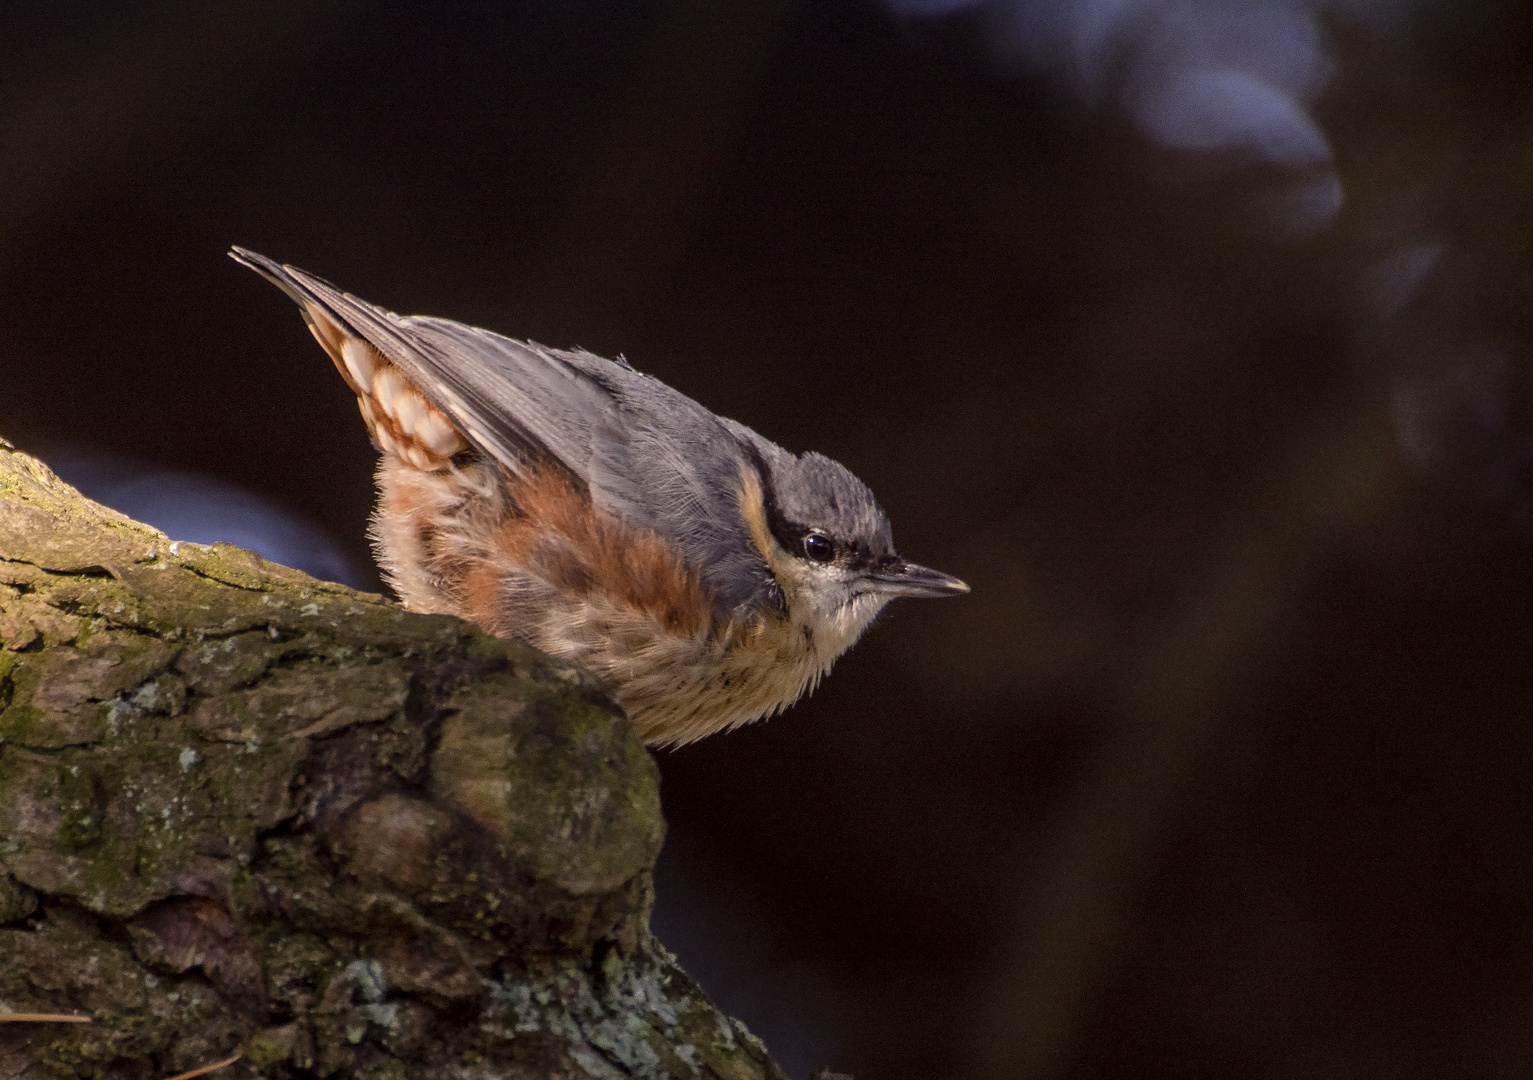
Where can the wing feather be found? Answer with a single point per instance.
(648, 454)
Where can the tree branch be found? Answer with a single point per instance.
(244, 810)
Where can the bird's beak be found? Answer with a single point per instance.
(901, 578)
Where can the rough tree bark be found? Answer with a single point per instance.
(245, 810)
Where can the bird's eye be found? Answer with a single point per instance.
(819, 548)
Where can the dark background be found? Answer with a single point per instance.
(1223, 769)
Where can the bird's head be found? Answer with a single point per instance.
(829, 546)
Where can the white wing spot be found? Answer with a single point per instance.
(388, 385)
(437, 435)
(361, 361)
(409, 411)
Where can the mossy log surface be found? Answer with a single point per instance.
(242, 810)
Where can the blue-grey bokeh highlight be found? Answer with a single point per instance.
(1238, 83)
(1233, 80)
(198, 509)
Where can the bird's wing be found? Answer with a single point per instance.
(648, 454)
(663, 462)
(525, 405)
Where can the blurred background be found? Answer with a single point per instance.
(1194, 334)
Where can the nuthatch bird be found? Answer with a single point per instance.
(708, 576)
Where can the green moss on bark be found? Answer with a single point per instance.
(241, 809)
